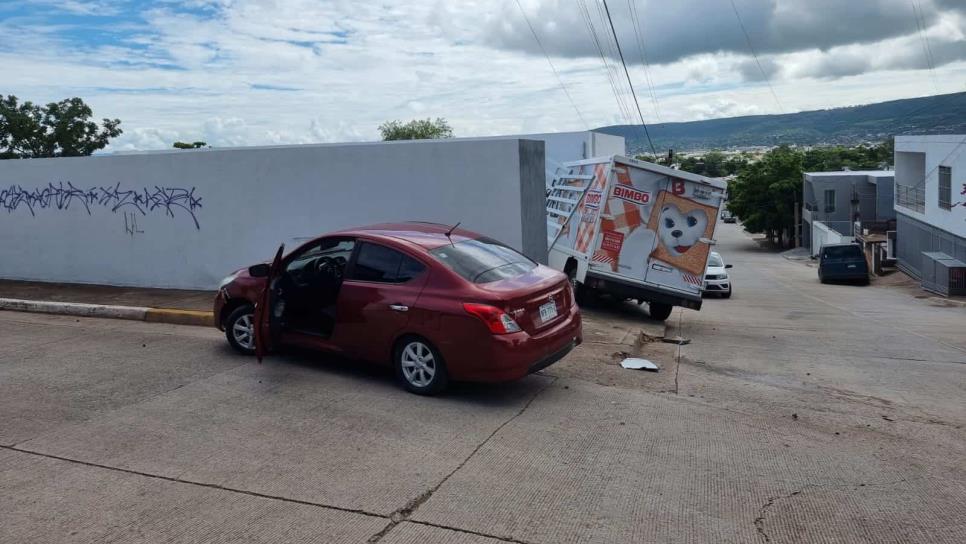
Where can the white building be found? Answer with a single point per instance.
(930, 201)
(184, 219)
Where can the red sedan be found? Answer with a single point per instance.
(437, 303)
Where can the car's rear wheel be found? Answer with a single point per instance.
(659, 311)
(419, 366)
(240, 329)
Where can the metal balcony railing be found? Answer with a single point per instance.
(910, 197)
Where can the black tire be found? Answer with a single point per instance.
(659, 311)
(413, 377)
(244, 344)
(726, 294)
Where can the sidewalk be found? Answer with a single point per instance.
(176, 306)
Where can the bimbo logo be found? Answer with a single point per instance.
(631, 194)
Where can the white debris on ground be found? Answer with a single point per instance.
(639, 364)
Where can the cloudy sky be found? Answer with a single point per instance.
(245, 72)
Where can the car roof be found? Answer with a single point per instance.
(425, 234)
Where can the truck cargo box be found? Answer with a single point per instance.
(634, 229)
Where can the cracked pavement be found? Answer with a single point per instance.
(797, 413)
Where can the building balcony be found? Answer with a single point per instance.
(912, 198)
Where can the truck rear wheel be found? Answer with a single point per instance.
(659, 311)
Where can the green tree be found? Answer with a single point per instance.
(59, 129)
(860, 157)
(714, 164)
(192, 145)
(765, 193)
(735, 163)
(647, 158)
(417, 129)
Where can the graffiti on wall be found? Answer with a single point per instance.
(171, 201)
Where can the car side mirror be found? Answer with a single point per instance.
(729, 266)
(259, 270)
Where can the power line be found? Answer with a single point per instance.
(552, 67)
(613, 50)
(926, 49)
(628, 75)
(955, 150)
(609, 55)
(755, 54)
(638, 32)
(585, 14)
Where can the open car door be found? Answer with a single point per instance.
(263, 313)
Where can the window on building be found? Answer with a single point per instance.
(829, 200)
(945, 187)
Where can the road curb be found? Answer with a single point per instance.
(133, 313)
(180, 317)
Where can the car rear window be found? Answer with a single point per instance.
(841, 252)
(483, 260)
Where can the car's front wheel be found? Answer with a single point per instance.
(240, 329)
(419, 366)
(726, 294)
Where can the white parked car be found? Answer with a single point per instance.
(716, 278)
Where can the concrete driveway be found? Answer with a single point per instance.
(798, 413)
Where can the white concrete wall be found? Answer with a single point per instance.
(219, 210)
(564, 147)
(911, 170)
(823, 235)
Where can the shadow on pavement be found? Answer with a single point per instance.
(378, 377)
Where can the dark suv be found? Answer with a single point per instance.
(843, 262)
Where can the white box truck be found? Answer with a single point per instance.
(634, 230)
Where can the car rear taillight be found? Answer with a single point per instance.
(498, 321)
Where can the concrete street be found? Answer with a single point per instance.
(799, 412)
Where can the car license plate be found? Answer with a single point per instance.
(548, 311)
(851, 266)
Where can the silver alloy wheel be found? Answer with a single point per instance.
(244, 331)
(418, 364)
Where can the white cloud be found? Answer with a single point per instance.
(244, 72)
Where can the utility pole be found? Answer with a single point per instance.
(798, 225)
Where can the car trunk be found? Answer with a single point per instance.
(523, 296)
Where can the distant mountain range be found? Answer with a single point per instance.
(940, 114)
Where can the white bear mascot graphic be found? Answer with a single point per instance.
(678, 231)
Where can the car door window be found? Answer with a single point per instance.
(381, 264)
(409, 268)
(302, 267)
